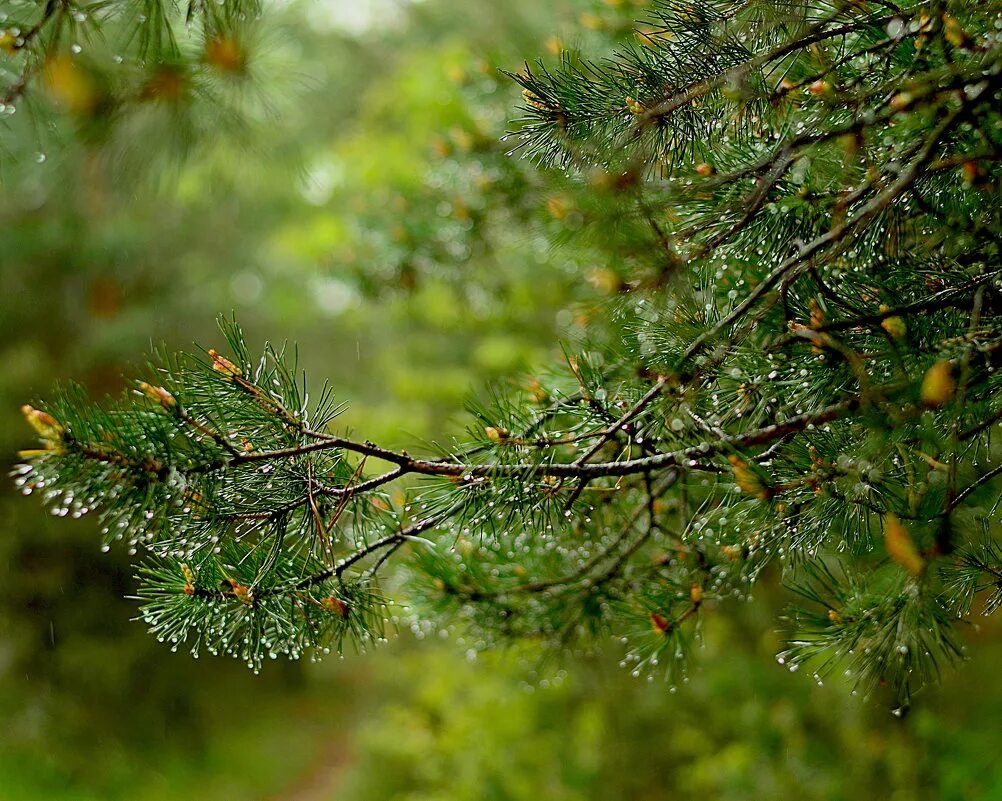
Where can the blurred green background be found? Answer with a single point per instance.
(364, 207)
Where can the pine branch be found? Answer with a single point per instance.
(799, 366)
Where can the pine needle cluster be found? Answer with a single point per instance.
(796, 370)
(128, 73)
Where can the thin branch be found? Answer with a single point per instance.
(835, 235)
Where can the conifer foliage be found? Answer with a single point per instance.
(795, 370)
(160, 71)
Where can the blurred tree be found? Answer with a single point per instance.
(100, 256)
(791, 211)
(92, 708)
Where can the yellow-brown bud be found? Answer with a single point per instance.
(894, 325)
(938, 385)
(972, 172)
(223, 365)
(534, 100)
(70, 85)
(659, 623)
(45, 425)
(158, 394)
(954, 33)
(539, 393)
(558, 206)
(243, 593)
(817, 313)
(336, 606)
(902, 100)
(8, 42)
(167, 85)
(496, 434)
(225, 54)
(901, 547)
(732, 552)
(748, 480)
(189, 579)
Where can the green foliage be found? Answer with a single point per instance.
(95, 266)
(765, 734)
(793, 368)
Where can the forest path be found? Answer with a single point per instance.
(319, 782)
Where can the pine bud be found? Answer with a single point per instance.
(659, 623)
(650, 36)
(538, 392)
(189, 579)
(696, 594)
(705, 170)
(551, 486)
(243, 593)
(225, 54)
(223, 365)
(834, 616)
(748, 480)
(938, 385)
(901, 101)
(45, 425)
(495, 434)
(8, 42)
(34, 453)
(534, 100)
(954, 33)
(336, 606)
(973, 174)
(901, 547)
(158, 394)
(925, 27)
(817, 313)
(635, 106)
(70, 85)
(895, 326)
(607, 281)
(558, 206)
(732, 552)
(168, 84)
